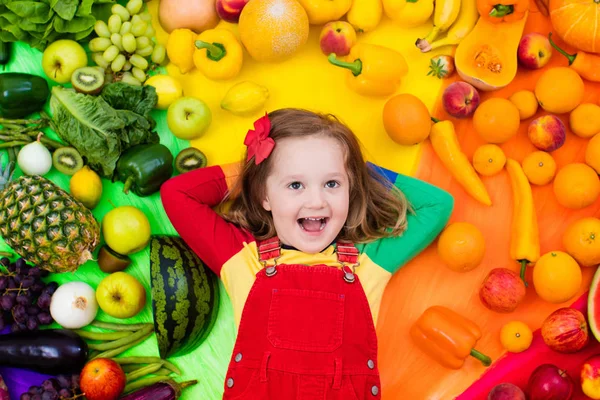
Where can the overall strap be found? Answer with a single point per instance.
(271, 249)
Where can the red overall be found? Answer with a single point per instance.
(306, 333)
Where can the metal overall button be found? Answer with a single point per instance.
(270, 271)
(238, 357)
(230, 382)
(348, 274)
(370, 364)
(374, 390)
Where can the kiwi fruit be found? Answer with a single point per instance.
(67, 160)
(189, 159)
(88, 80)
(110, 261)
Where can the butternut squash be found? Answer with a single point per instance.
(487, 57)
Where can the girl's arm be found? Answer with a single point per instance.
(432, 208)
(188, 200)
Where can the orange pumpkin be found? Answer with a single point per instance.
(576, 22)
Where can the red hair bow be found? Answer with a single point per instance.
(259, 144)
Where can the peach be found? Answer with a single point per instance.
(590, 377)
(460, 99)
(506, 391)
(337, 37)
(230, 10)
(547, 133)
(534, 51)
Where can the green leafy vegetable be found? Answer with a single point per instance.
(102, 127)
(39, 23)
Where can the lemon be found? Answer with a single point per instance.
(245, 98)
(86, 186)
(516, 336)
(167, 88)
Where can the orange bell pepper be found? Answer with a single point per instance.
(524, 238)
(447, 337)
(497, 11)
(586, 65)
(446, 146)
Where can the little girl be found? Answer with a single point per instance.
(312, 237)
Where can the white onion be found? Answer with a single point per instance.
(34, 159)
(74, 305)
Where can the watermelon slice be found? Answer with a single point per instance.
(594, 305)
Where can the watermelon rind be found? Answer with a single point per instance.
(185, 296)
(594, 305)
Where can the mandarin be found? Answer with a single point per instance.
(525, 102)
(559, 90)
(576, 186)
(496, 120)
(516, 336)
(461, 246)
(489, 159)
(585, 120)
(406, 119)
(556, 277)
(539, 168)
(582, 241)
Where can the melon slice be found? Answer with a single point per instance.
(594, 305)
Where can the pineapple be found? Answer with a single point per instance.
(45, 225)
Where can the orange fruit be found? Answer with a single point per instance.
(488, 159)
(592, 153)
(585, 120)
(526, 103)
(406, 119)
(461, 246)
(576, 186)
(556, 277)
(516, 336)
(539, 167)
(272, 30)
(496, 120)
(582, 241)
(559, 90)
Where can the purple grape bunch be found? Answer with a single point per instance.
(24, 297)
(63, 387)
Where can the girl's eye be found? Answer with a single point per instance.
(295, 185)
(332, 184)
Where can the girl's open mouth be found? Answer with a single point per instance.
(313, 224)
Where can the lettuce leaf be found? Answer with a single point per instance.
(102, 127)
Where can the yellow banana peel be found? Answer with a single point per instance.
(365, 15)
(245, 98)
(408, 13)
(444, 15)
(464, 24)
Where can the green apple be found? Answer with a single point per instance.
(61, 58)
(126, 229)
(120, 295)
(188, 118)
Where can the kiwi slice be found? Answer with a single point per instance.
(88, 80)
(189, 159)
(67, 160)
(110, 261)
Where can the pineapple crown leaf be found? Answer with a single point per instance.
(6, 173)
(436, 68)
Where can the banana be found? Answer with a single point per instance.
(245, 98)
(446, 12)
(364, 15)
(464, 24)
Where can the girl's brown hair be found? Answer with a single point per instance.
(377, 208)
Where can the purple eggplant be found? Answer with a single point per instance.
(165, 390)
(49, 351)
(3, 390)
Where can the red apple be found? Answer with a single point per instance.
(548, 382)
(590, 377)
(534, 51)
(506, 391)
(547, 133)
(460, 99)
(230, 10)
(502, 290)
(102, 379)
(337, 37)
(565, 330)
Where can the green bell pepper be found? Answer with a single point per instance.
(144, 168)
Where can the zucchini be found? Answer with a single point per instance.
(5, 48)
(22, 94)
(185, 296)
(49, 351)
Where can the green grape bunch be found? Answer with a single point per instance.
(125, 43)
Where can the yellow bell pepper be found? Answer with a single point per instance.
(373, 70)
(408, 13)
(218, 54)
(524, 238)
(365, 15)
(322, 11)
